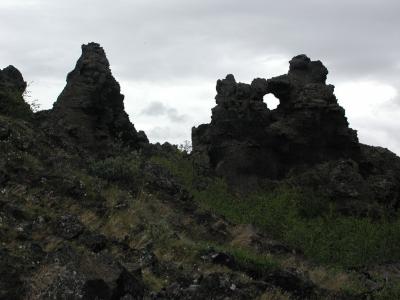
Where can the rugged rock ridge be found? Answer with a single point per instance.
(307, 137)
(90, 109)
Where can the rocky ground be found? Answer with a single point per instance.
(90, 210)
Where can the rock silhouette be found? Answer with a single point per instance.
(245, 139)
(247, 142)
(90, 109)
(12, 88)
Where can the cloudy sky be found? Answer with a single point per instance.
(168, 54)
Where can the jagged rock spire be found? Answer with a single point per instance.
(90, 109)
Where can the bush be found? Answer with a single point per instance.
(327, 238)
(178, 164)
(13, 105)
(118, 169)
(300, 218)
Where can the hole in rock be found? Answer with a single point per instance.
(271, 101)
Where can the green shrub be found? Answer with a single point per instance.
(13, 105)
(300, 218)
(118, 169)
(327, 238)
(347, 241)
(179, 164)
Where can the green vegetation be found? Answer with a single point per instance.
(246, 259)
(329, 238)
(389, 292)
(12, 104)
(299, 219)
(179, 164)
(125, 169)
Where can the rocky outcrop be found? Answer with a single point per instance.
(12, 88)
(245, 140)
(90, 109)
(306, 137)
(368, 187)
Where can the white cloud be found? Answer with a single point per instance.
(373, 109)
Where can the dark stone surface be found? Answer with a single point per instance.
(96, 289)
(11, 283)
(94, 242)
(306, 137)
(129, 284)
(90, 276)
(90, 109)
(246, 141)
(12, 88)
(68, 227)
(12, 78)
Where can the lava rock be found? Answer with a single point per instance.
(70, 275)
(95, 242)
(96, 289)
(12, 89)
(159, 179)
(68, 227)
(129, 285)
(90, 110)
(11, 283)
(246, 141)
(307, 135)
(298, 286)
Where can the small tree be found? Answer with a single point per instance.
(185, 147)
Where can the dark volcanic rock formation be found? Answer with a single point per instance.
(246, 140)
(307, 138)
(12, 88)
(90, 109)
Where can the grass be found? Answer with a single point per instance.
(179, 164)
(389, 292)
(301, 219)
(245, 259)
(328, 238)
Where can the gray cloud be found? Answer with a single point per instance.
(158, 40)
(164, 42)
(159, 109)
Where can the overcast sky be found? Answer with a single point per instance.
(168, 54)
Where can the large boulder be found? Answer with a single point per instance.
(90, 109)
(246, 141)
(67, 274)
(12, 89)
